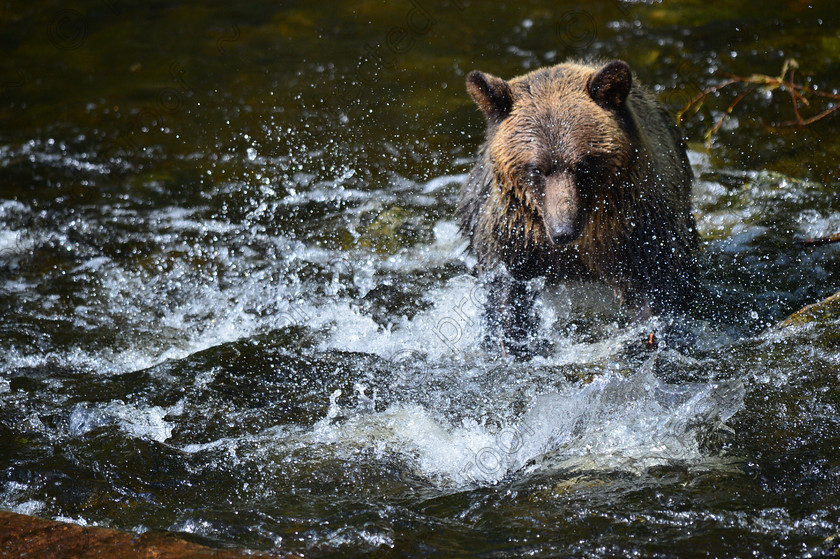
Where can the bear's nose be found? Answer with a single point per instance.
(562, 234)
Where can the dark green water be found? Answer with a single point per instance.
(215, 217)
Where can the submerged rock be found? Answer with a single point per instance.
(823, 311)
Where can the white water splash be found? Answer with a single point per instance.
(138, 421)
(616, 422)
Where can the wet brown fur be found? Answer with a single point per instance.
(623, 161)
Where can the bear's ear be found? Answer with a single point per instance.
(491, 94)
(610, 85)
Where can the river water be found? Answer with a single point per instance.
(235, 303)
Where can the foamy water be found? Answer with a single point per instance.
(624, 419)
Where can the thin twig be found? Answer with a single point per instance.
(819, 241)
(811, 120)
(727, 112)
(702, 95)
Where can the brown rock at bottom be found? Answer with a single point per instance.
(28, 536)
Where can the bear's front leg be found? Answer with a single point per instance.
(509, 316)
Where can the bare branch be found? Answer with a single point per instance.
(799, 94)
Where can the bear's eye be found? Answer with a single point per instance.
(534, 174)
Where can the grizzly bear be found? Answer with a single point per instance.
(583, 175)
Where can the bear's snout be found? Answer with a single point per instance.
(561, 209)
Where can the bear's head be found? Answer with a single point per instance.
(557, 140)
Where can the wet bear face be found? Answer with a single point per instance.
(557, 139)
